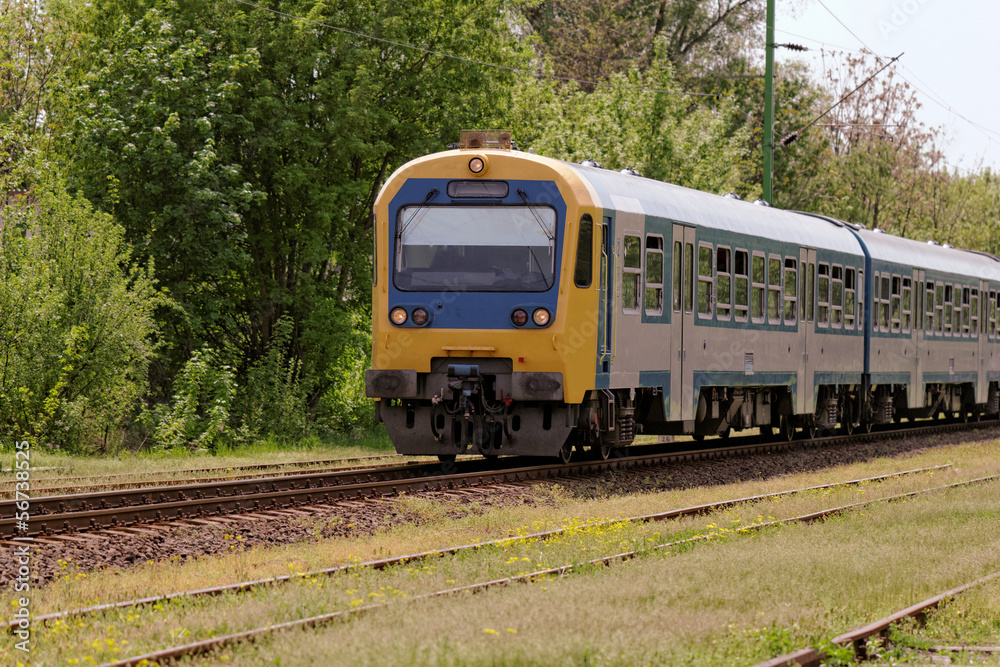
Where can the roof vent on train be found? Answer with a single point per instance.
(948, 245)
(932, 242)
(733, 195)
(878, 230)
(629, 171)
(761, 202)
(589, 162)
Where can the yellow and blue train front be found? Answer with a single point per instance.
(479, 306)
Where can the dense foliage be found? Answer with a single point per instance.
(233, 151)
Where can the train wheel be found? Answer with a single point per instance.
(812, 431)
(847, 425)
(566, 453)
(786, 429)
(446, 458)
(601, 452)
(767, 432)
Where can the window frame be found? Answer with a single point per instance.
(758, 288)
(656, 287)
(741, 311)
(850, 295)
(822, 304)
(724, 310)
(708, 281)
(774, 289)
(836, 287)
(791, 296)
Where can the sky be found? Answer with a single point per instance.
(950, 52)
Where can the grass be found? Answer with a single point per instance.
(733, 600)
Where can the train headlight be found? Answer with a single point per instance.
(398, 316)
(419, 316)
(477, 165)
(519, 317)
(540, 317)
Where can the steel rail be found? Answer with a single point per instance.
(203, 646)
(857, 638)
(116, 509)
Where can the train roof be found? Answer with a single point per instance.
(624, 192)
(929, 256)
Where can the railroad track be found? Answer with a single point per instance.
(120, 509)
(207, 645)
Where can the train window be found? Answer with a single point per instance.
(758, 279)
(966, 321)
(861, 299)
(774, 289)
(723, 283)
(949, 309)
(654, 275)
(741, 267)
(688, 276)
(823, 296)
(918, 307)
(850, 297)
(907, 305)
(929, 308)
(894, 304)
(811, 292)
(883, 308)
(631, 270)
(974, 310)
(837, 297)
(676, 289)
(791, 290)
(583, 274)
(992, 315)
(939, 308)
(705, 281)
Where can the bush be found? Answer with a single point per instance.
(76, 323)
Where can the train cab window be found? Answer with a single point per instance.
(705, 281)
(631, 271)
(823, 296)
(907, 304)
(723, 283)
(837, 297)
(583, 274)
(758, 280)
(791, 290)
(850, 297)
(654, 275)
(741, 269)
(774, 289)
(949, 309)
(929, 308)
(966, 320)
(991, 314)
(676, 289)
(974, 310)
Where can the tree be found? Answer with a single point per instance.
(243, 150)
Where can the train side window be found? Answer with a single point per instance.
(929, 308)
(993, 314)
(723, 283)
(631, 271)
(850, 297)
(791, 289)
(583, 274)
(949, 309)
(907, 306)
(918, 306)
(705, 280)
(883, 318)
(688, 277)
(939, 308)
(811, 293)
(837, 297)
(741, 267)
(758, 279)
(895, 305)
(654, 275)
(823, 296)
(861, 299)
(676, 288)
(966, 321)
(876, 300)
(774, 289)
(974, 311)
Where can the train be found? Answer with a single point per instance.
(524, 305)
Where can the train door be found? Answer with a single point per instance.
(805, 401)
(916, 397)
(982, 381)
(605, 318)
(682, 400)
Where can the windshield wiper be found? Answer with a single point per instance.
(406, 223)
(531, 207)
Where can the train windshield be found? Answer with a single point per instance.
(476, 248)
